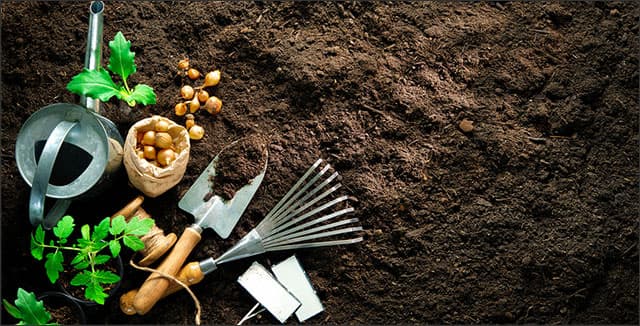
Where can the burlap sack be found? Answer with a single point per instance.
(153, 180)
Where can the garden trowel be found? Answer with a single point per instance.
(209, 212)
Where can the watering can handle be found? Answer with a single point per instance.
(41, 179)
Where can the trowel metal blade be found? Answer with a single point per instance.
(212, 211)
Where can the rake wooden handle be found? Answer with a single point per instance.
(155, 285)
(190, 274)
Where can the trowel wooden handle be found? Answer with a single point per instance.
(190, 274)
(155, 285)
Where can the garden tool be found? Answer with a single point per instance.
(287, 226)
(213, 212)
(68, 151)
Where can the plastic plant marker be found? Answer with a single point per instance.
(264, 287)
(290, 274)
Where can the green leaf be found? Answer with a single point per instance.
(53, 265)
(121, 60)
(95, 292)
(28, 309)
(101, 230)
(133, 242)
(86, 232)
(64, 228)
(81, 256)
(81, 265)
(105, 277)
(80, 279)
(114, 247)
(36, 247)
(117, 225)
(11, 309)
(101, 259)
(139, 226)
(95, 84)
(142, 94)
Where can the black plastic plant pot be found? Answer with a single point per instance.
(64, 309)
(77, 293)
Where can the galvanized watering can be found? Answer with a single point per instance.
(68, 151)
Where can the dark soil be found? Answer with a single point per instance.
(530, 217)
(62, 312)
(237, 165)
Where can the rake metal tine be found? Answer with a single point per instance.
(299, 234)
(316, 244)
(311, 213)
(319, 235)
(293, 189)
(274, 213)
(312, 192)
(287, 206)
(302, 208)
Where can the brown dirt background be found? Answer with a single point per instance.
(530, 218)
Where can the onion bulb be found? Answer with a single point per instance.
(213, 105)
(149, 138)
(193, 74)
(166, 156)
(203, 96)
(183, 64)
(163, 140)
(162, 126)
(180, 109)
(186, 92)
(211, 78)
(149, 152)
(196, 132)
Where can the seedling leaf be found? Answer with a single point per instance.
(121, 60)
(28, 309)
(94, 83)
(80, 279)
(64, 228)
(105, 277)
(101, 230)
(133, 242)
(36, 246)
(53, 265)
(138, 226)
(86, 233)
(114, 247)
(142, 94)
(101, 259)
(117, 225)
(95, 292)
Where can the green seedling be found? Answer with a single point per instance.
(89, 250)
(28, 310)
(98, 83)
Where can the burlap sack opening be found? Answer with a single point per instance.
(153, 180)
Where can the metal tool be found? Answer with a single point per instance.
(289, 225)
(68, 151)
(211, 212)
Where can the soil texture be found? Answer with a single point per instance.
(525, 213)
(237, 165)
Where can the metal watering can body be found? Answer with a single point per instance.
(68, 151)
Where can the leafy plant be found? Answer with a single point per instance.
(27, 309)
(89, 250)
(98, 83)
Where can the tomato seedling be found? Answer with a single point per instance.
(88, 250)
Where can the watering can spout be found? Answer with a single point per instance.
(93, 55)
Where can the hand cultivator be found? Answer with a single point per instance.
(299, 220)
